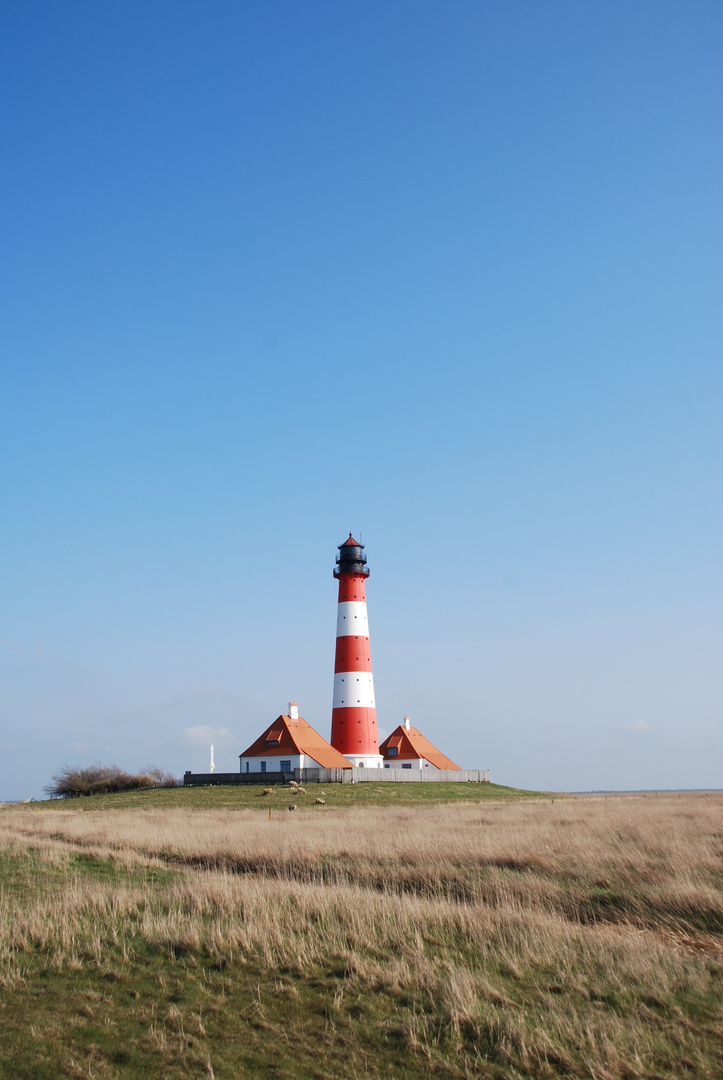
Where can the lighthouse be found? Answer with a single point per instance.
(354, 715)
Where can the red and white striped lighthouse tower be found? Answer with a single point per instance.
(354, 716)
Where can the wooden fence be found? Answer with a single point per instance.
(340, 776)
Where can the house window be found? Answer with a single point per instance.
(286, 766)
(247, 765)
(392, 751)
(262, 765)
(406, 764)
(272, 742)
(386, 766)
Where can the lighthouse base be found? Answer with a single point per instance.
(366, 761)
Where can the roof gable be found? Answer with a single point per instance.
(410, 743)
(296, 737)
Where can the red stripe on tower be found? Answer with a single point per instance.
(354, 715)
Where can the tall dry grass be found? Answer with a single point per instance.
(653, 861)
(562, 938)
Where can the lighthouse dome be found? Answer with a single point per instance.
(351, 558)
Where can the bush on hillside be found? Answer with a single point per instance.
(71, 783)
(160, 777)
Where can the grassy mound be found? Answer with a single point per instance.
(252, 797)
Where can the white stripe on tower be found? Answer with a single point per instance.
(352, 619)
(353, 688)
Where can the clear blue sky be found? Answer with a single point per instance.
(448, 275)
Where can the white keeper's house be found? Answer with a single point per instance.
(290, 743)
(407, 748)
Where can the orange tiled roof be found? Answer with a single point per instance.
(412, 744)
(296, 737)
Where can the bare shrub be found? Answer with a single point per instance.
(72, 782)
(161, 777)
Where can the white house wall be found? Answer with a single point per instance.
(414, 763)
(273, 764)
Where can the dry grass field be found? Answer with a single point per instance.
(575, 937)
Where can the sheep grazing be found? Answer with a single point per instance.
(267, 791)
(292, 783)
(301, 791)
(320, 802)
(292, 806)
